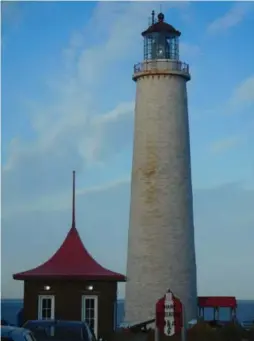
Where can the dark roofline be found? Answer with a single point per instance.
(22, 276)
(161, 27)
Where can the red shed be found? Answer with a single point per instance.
(72, 285)
(217, 302)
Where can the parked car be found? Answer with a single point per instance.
(9, 333)
(60, 330)
(4, 322)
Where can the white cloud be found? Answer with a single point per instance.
(70, 133)
(225, 144)
(243, 93)
(70, 128)
(189, 50)
(241, 97)
(122, 27)
(235, 15)
(35, 172)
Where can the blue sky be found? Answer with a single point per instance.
(67, 103)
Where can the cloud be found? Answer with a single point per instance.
(12, 15)
(189, 50)
(71, 129)
(11, 12)
(240, 101)
(77, 145)
(241, 98)
(114, 128)
(243, 94)
(225, 144)
(119, 42)
(235, 15)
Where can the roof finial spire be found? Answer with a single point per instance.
(153, 13)
(73, 201)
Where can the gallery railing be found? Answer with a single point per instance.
(161, 65)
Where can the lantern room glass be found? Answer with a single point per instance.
(161, 46)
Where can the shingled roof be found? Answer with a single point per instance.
(71, 261)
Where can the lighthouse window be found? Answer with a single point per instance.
(160, 46)
(173, 48)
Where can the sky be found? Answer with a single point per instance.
(68, 103)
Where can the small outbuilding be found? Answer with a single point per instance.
(71, 285)
(216, 303)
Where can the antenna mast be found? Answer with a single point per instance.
(73, 200)
(153, 13)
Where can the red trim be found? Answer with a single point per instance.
(160, 314)
(217, 301)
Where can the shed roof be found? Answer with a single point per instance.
(217, 301)
(71, 261)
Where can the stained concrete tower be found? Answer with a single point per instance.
(161, 250)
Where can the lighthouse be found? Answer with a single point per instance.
(161, 248)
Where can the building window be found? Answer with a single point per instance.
(90, 312)
(46, 307)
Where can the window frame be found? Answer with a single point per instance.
(83, 312)
(40, 308)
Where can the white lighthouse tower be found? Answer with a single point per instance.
(161, 249)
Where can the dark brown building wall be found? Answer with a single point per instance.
(68, 296)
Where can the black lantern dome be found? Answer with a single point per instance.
(161, 40)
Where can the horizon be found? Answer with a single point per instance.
(68, 103)
(120, 299)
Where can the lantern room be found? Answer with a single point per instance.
(161, 40)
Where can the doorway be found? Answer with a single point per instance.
(89, 312)
(46, 307)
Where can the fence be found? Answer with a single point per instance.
(162, 65)
(200, 332)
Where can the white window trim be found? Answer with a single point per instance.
(40, 298)
(83, 311)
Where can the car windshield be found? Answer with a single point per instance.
(58, 332)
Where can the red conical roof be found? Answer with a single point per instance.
(71, 261)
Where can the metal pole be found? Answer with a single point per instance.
(156, 334)
(183, 331)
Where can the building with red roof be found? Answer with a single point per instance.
(72, 285)
(216, 303)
